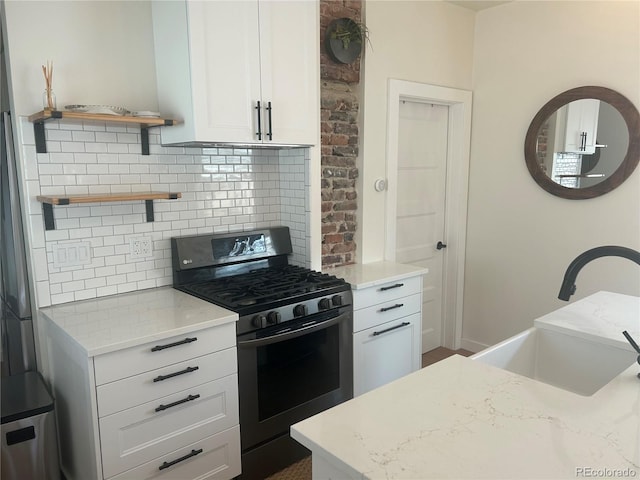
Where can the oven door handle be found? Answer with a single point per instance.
(259, 342)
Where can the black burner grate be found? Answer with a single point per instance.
(263, 287)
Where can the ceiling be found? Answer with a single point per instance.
(478, 5)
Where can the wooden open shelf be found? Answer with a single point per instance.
(106, 197)
(49, 200)
(145, 123)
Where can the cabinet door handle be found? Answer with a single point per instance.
(259, 132)
(270, 132)
(386, 309)
(403, 324)
(162, 407)
(175, 374)
(181, 459)
(397, 285)
(174, 344)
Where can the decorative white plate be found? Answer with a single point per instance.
(145, 113)
(103, 109)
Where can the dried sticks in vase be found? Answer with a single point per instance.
(49, 100)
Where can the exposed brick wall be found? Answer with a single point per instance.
(340, 139)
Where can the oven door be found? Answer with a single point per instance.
(292, 371)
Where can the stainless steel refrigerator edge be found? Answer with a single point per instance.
(18, 348)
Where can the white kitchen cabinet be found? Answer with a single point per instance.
(153, 427)
(387, 321)
(160, 407)
(386, 338)
(384, 353)
(238, 72)
(579, 119)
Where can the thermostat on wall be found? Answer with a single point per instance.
(380, 185)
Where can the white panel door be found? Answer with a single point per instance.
(421, 179)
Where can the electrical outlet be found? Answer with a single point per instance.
(140, 247)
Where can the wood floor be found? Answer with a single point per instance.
(440, 353)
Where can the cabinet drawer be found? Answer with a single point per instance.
(385, 312)
(141, 358)
(219, 459)
(141, 433)
(129, 392)
(386, 292)
(385, 353)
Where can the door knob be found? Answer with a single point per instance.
(441, 245)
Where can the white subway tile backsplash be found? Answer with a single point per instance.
(85, 294)
(223, 190)
(104, 291)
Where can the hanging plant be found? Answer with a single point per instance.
(344, 39)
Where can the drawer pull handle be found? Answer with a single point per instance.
(175, 344)
(403, 324)
(386, 309)
(181, 459)
(397, 285)
(160, 378)
(169, 405)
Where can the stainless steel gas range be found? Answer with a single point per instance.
(295, 350)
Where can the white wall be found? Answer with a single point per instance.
(421, 41)
(102, 53)
(520, 238)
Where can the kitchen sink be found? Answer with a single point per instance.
(565, 361)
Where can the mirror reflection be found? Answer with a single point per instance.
(582, 143)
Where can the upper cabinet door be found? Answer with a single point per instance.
(238, 71)
(225, 69)
(582, 126)
(289, 60)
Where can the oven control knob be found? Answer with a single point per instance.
(274, 317)
(336, 300)
(324, 304)
(300, 310)
(259, 321)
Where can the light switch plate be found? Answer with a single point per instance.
(71, 254)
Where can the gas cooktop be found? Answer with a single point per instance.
(265, 288)
(248, 273)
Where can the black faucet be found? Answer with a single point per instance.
(568, 287)
(634, 345)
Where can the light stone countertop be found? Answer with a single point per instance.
(115, 322)
(601, 317)
(365, 275)
(463, 419)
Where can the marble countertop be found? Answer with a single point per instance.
(112, 323)
(365, 275)
(600, 317)
(463, 419)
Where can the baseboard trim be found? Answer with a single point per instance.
(472, 345)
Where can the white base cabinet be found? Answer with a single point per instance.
(164, 409)
(384, 353)
(387, 339)
(207, 459)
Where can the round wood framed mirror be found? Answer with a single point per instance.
(583, 143)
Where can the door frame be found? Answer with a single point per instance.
(457, 184)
